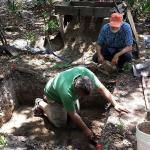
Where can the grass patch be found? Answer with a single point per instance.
(3, 141)
(127, 67)
(60, 66)
(121, 127)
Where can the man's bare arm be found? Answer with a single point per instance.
(106, 93)
(117, 55)
(79, 122)
(99, 53)
(124, 50)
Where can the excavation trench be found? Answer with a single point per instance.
(18, 91)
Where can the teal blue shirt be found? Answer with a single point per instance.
(120, 39)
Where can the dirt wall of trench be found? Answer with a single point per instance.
(17, 89)
(21, 88)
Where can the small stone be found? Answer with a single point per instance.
(52, 133)
(126, 142)
(1, 76)
(69, 147)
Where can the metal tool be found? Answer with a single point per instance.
(143, 71)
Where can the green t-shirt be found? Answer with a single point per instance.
(61, 89)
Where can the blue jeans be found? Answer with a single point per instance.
(108, 54)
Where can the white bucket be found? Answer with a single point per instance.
(143, 135)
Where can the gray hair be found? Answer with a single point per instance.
(84, 83)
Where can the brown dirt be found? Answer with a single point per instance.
(28, 85)
(38, 132)
(23, 123)
(145, 128)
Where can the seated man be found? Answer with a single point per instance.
(114, 42)
(62, 93)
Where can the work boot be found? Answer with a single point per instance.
(37, 111)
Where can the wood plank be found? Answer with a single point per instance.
(84, 11)
(61, 27)
(10, 50)
(86, 8)
(135, 34)
(130, 19)
(145, 92)
(102, 12)
(67, 10)
(93, 4)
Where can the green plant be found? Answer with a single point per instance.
(51, 26)
(40, 2)
(3, 141)
(50, 2)
(131, 2)
(121, 127)
(60, 66)
(14, 6)
(142, 6)
(45, 15)
(127, 67)
(32, 37)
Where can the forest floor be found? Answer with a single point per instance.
(25, 131)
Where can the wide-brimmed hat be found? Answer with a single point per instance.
(116, 20)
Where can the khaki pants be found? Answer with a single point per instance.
(56, 113)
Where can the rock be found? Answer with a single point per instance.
(40, 42)
(107, 67)
(126, 143)
(21, 44)
(113, 120)
(1, 76)
(130, 149)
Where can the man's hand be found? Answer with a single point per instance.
(121, 108)
(77, 119)
(115, 59)
(100, 59)
(88, 133)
